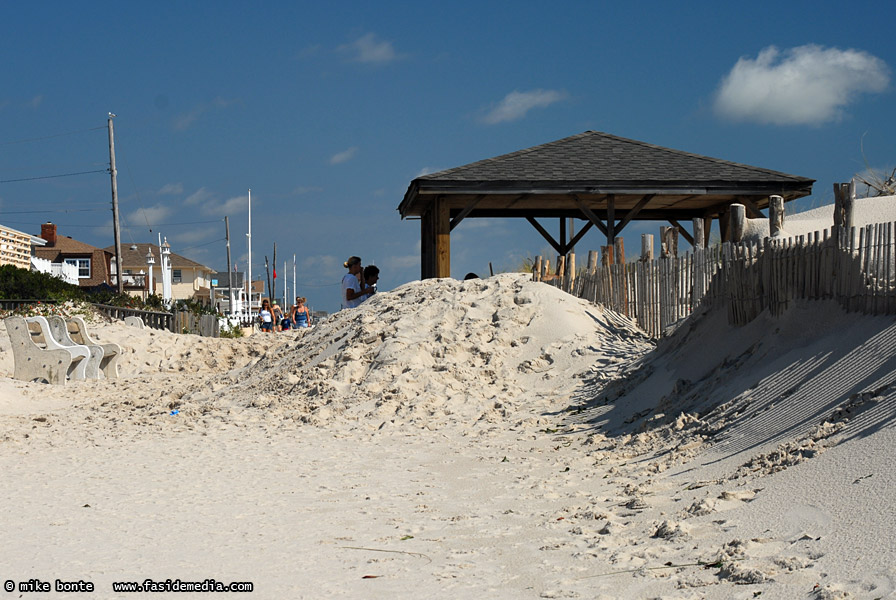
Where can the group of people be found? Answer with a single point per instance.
(359, 283)
(272, 317)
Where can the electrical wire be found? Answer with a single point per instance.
(48, 137)
(52, 176)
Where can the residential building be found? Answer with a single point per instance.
(190, 280)
(15, 248)
(93, 264)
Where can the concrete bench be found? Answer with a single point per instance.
(33, 363)
(41, 335)
(77, 330)
(59, 331)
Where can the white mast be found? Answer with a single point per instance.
(285, 281)
(249, 235)
(294, 291)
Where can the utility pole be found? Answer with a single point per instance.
(230, 301)
(116, 227)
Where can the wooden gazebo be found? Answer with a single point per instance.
(607, 181)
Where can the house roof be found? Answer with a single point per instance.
(66, 245)
(593, 165)
(135, 258)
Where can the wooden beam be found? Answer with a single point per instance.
(427, 245)
(611, 218)
(443, 239)
(634, 211)
(545, 235)
(466, 211)
(682, 231)
(593, 218)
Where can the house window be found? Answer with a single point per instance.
(175, 276)
(83, 265)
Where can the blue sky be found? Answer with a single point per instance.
(327, 111)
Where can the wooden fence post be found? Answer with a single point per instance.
(592, 261)
(646, 247)
(775, 215)
(738, 221)
(571, 273)
(669, 241)
(699, 236)
(619, 251)
(536, 269)
(606, 258)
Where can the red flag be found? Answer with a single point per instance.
(275, 272)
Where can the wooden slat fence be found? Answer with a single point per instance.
(859, 273)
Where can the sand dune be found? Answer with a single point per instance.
(490, 438)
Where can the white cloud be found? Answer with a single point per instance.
(807, 85)
(307, 189)
(343, 156)
(36, 101)
(369, 49)
(403, 262)
(172, 189)
(185, 120)
(199, 196)
(516, 104)
(149, 216)
(426, 171)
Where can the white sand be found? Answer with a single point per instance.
(483, 439)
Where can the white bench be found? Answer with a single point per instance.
(77, 330)
(59, 331)
(33, 362)
(43, 338)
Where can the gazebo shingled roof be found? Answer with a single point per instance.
(604, 179)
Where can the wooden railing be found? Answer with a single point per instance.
(859, 273)
(152, 319)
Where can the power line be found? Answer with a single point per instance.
(48, 137)
(58, 210)
(52, 176)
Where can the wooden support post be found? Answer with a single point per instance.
(536, 269)
(561, 267)
(725, 225)
(707, 230)
(775, 215)
(646, 247)
(443, 239)
(427, 246)
(699, 237)
(737, 222)
(611, 219)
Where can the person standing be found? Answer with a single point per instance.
(266, 316)
(371, 275)
(353, 293)
(301, 316)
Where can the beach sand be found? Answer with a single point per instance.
(491, 438)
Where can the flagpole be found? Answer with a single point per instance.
(294, 291)
(249, 235)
